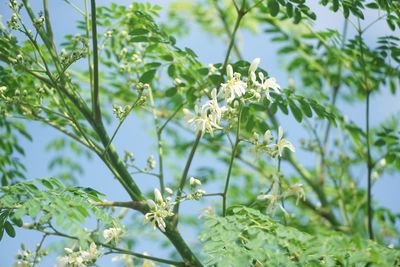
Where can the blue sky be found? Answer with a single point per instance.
(135, 134)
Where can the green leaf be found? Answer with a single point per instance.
(171, 91)
(273, 7)
(305, 107)
(297, 16)
(273, 108)
(295, 111)
(289, 9)
(283, 107)
(9, 229)
(148, 76)
(46, 183)
(171, 71)
(17, 221)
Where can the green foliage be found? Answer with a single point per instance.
(11, 167)
(247, 237)
(47, 201)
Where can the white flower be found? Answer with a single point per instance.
(234, 86)
(268, 137)
(200, 120)
(169, 191)
(206, 118)
(159, 210)
(193, 181)
(296, 190)
(212, 69)
(266, 84)
(254, 65)
(112, 234)
(281, 144)
(274, 199)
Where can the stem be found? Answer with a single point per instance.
(120, 123)
(95, 94)
(87, 29)
(240, 15)
(228, 176)
(47, 21)
(139, 255)
(222, 17)
(369, 158)
(185, 173)
(233, 155)
(159, 142)
(333, 103)
(183, 249)
(55, 232)
(369, 168)
(38, 250)
(170, 118)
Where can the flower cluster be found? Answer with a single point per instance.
(80, 46)
(274, 149)
(112, 234)
(207, 117)
(197, 193)
(121, 112)
(275, 197)
(160, 209)
(80, 258)
(151, 163)
(27, 258)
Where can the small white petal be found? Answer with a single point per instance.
(254, 65)
(229, 72)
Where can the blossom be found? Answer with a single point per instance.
(169, 191)
(81, 258)
(212, 69)
(268, 137)
(196, 195)
(151, 163)
(266, 84)
(281, 144)
(92, 254)
(112, 234)
(296, 190)
(207, 117)
(234, 86)
(159, 211)
(193, 181)
(274, 199)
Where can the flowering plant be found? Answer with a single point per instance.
(249, 170)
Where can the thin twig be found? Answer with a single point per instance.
(367, 133)
(233, 155)
(95, 95)
(185, 173)
(38, 250)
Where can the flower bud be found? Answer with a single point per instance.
(254, 65)
(194, 181)
(157, 196)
